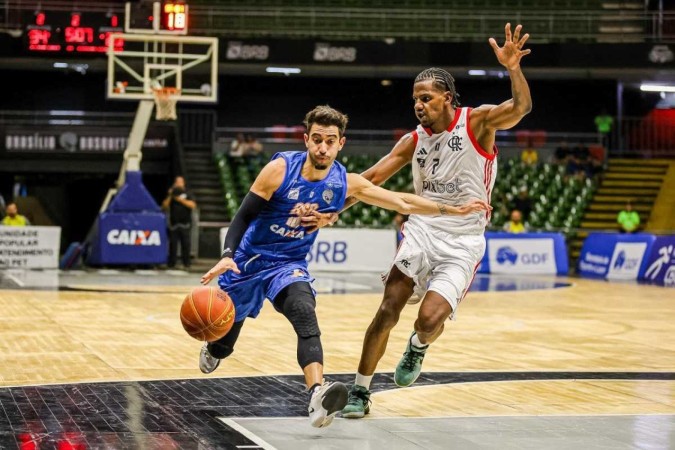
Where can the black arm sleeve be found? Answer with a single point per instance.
(249, 210)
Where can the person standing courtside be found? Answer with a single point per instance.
(453, 154)
(179, 203)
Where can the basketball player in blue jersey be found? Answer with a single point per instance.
(266, 246)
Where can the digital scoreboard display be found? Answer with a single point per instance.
(88, 32)
(71, 32)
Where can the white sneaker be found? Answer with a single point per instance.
(207, 363)
(326, 401)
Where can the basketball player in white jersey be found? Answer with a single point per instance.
(453, 154)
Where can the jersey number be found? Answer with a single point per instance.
(436, 162)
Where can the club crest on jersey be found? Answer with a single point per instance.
(327, 196)
(455, 143)
(293, 194)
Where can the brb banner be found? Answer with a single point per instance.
(615, 256)
(346, 250)
(528, 253)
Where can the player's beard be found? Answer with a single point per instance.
(317, 165)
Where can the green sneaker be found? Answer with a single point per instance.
(358, 403)
(410, 366)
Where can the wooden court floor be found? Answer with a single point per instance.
(133, 333)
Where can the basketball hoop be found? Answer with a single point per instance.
(165, 101)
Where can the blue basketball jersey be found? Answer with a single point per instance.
(276, 234)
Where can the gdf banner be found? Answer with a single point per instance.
(615, 256)
(527, 253)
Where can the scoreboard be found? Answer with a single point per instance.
(70, 32)
(86, 32)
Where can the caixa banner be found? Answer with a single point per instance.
(615, 256)
(527, 253)
(130, 238)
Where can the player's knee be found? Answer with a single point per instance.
(309, 351)
(387, 316)
(298, 305)
(428, 324)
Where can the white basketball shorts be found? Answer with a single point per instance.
(438, 261)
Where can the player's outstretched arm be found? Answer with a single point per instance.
(509, 113)
(380, 172)
(404, 203)
(269, 179)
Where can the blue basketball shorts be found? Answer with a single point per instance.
(260, 279)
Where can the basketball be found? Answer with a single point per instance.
(207, 313)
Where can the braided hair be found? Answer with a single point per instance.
(442, 80)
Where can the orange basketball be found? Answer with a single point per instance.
(207, 313)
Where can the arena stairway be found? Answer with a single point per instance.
(638, 181)
(203, 181)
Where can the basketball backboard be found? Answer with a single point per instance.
(146, 62)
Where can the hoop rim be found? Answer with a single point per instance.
(165, 91)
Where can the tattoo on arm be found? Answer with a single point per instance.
(442, 209)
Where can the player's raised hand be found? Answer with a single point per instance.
(315, 220)
(223, 266)
(473, 206)
(510, 54)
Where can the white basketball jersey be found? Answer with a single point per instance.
(452, 168)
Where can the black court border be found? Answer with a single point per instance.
(184, 413)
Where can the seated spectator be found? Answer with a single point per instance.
(529, 155)
(573, 165)
(13, 218)
(628, 220)
(515, 225)
(523, 203)
(253, 147)
(238, 146)
(561, 153)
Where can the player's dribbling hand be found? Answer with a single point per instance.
(474, 206)
(223, 266)
(315, 220)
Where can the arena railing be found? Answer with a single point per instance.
(434, 24)
(387, 138)
(642, 137)
(545, 21)
(67, 118)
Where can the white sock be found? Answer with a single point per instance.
(363, 380)
(415, 341)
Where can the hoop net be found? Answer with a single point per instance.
(165, 101)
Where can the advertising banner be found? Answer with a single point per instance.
(130, 238)
(615, 256)
(528, 253)
(349, 249)
(29, 247)
(660, 266)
